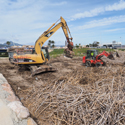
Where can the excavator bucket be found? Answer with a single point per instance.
(42, 68)
(111, 56)
(68, 53)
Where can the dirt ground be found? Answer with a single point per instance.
(22, 81)
(59, 97)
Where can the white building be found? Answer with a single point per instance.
(117, 44)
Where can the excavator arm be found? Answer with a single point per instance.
(47, 34)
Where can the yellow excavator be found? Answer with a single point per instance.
(37, 61)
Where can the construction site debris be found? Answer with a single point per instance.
(73, 95)
(65, 101)
(118, 59)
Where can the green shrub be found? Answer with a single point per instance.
(3, 54)
(77, 52)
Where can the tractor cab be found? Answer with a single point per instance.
(91, 54)
(90, 58)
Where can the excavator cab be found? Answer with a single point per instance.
(45, 52)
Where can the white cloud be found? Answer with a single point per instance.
(97, 11)
(103, 22)
(116, 6)
(59, 4)
(90, 13)
(113, 30)
(25, 19)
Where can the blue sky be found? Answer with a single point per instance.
(23, 21)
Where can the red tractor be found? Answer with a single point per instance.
(94, 59)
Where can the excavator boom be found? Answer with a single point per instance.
(48, 33)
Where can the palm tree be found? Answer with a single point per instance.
(49, 43)
(77, 46)
(8, 43)
(53, 44)
(80, 45)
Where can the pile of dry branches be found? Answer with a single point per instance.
(119, 59)
(93, 96)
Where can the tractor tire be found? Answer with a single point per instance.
(98, 64)
(88, 63)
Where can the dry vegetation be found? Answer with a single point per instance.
(95, 96)
(74, 95)
(119, 58)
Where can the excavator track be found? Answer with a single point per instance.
(40, 69)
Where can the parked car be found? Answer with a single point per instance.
(114, 47)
